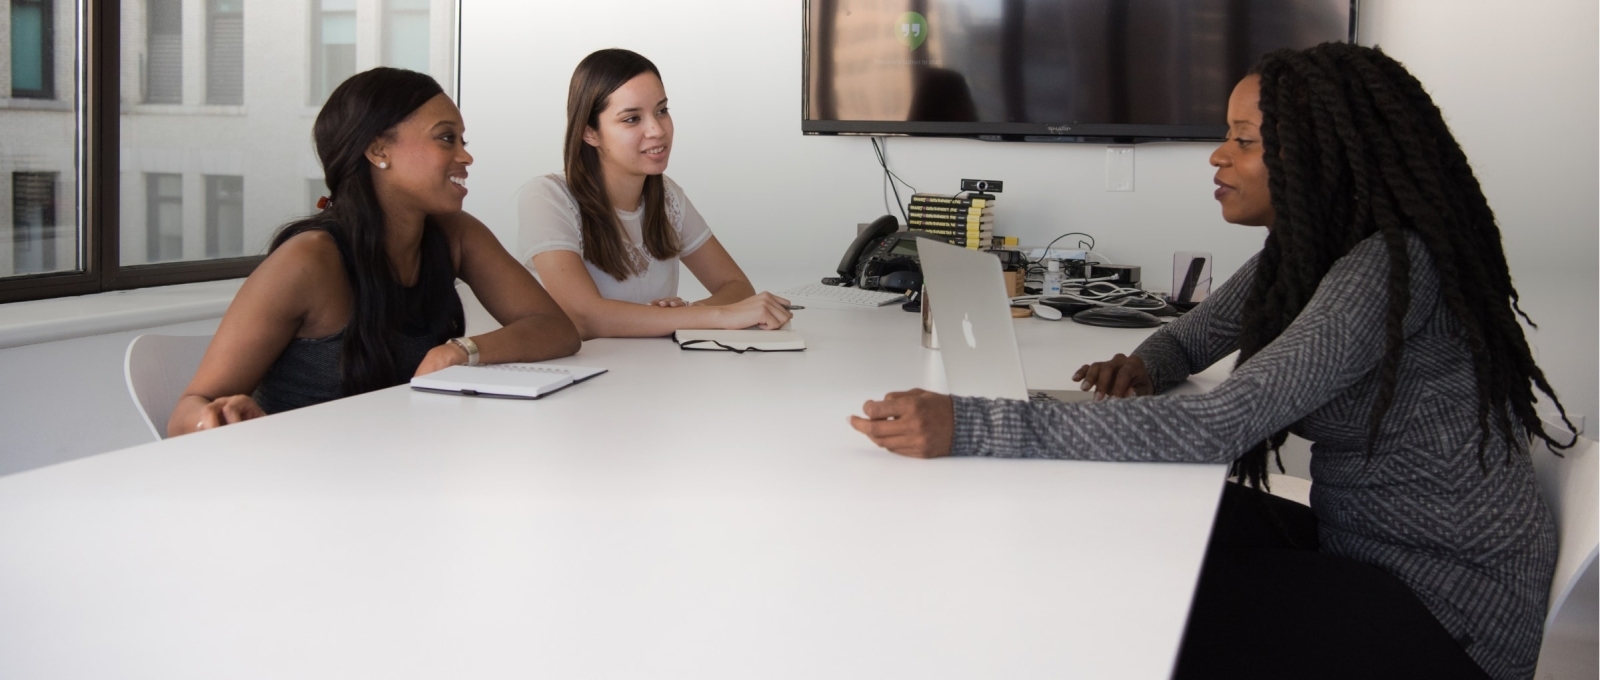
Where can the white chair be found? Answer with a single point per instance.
(157, 368)
(1571, 488)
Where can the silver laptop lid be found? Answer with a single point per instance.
(972, 315)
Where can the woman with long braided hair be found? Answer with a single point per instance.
(1378, 321)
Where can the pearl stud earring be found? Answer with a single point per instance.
(384, 165)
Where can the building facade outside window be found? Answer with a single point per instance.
(39, 178)
(32, 49)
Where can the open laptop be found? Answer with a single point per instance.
(972, 314)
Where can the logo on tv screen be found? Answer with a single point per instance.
(911, 29)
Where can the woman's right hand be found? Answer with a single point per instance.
(1122, 376)
(227, 411)
(765, 310)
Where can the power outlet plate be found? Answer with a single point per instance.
(1119, 167)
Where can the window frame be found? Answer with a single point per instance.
(98, 90)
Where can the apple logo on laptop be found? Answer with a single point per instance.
(966, 328)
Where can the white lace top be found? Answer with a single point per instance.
(547, 219)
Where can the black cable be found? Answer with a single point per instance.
(1046, 252)
(890, 177)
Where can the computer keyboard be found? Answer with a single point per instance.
(842, 295)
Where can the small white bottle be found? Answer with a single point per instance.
(1052, 277)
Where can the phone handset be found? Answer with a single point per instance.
(881, 227)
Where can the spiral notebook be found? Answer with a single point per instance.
(506, 381)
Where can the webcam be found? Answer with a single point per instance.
(983, 186)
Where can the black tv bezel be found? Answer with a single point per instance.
(1101, 133)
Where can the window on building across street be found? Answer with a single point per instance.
(333, 53)
(33, 219)
(163, 58)
(225, 52)
(32, 51)
(406, 34)
(224, 216)
(163, 217)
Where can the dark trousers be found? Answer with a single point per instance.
(1269, 605)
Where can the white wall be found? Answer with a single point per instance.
(1519, 89)
(67, 399)
(1518, 86)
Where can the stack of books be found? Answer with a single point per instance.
(966, 221)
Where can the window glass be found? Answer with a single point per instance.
(39, 230)
(216, 168)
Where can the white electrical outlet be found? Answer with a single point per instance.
(1119, 168)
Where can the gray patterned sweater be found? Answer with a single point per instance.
(1478, 549)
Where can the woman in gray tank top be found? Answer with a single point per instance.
(1378, 321)
(361, 295)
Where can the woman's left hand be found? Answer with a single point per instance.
(442, 357)
(919, 423)
(670, 302)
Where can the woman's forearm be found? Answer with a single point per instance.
(535, 337)
(730, 292)
(602, 318)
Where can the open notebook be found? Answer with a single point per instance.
(508, 381)
(740, 341)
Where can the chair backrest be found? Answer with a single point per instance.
(1568, 484)
(158, 368)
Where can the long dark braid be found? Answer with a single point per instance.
(1354, 146)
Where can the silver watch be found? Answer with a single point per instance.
(467, 345)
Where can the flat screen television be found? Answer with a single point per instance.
(1045, 70)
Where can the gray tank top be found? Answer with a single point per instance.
(307, 373)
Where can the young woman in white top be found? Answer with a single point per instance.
(606, 237)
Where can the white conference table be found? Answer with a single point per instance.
(689, 514)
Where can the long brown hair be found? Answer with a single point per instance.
(604, 242)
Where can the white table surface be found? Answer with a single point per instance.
(689, 514)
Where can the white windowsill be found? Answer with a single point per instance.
(27, 323)
(25, 104)
(186, 109)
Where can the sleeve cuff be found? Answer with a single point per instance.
(970, 436)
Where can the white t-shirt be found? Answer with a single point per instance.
(547, 219)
